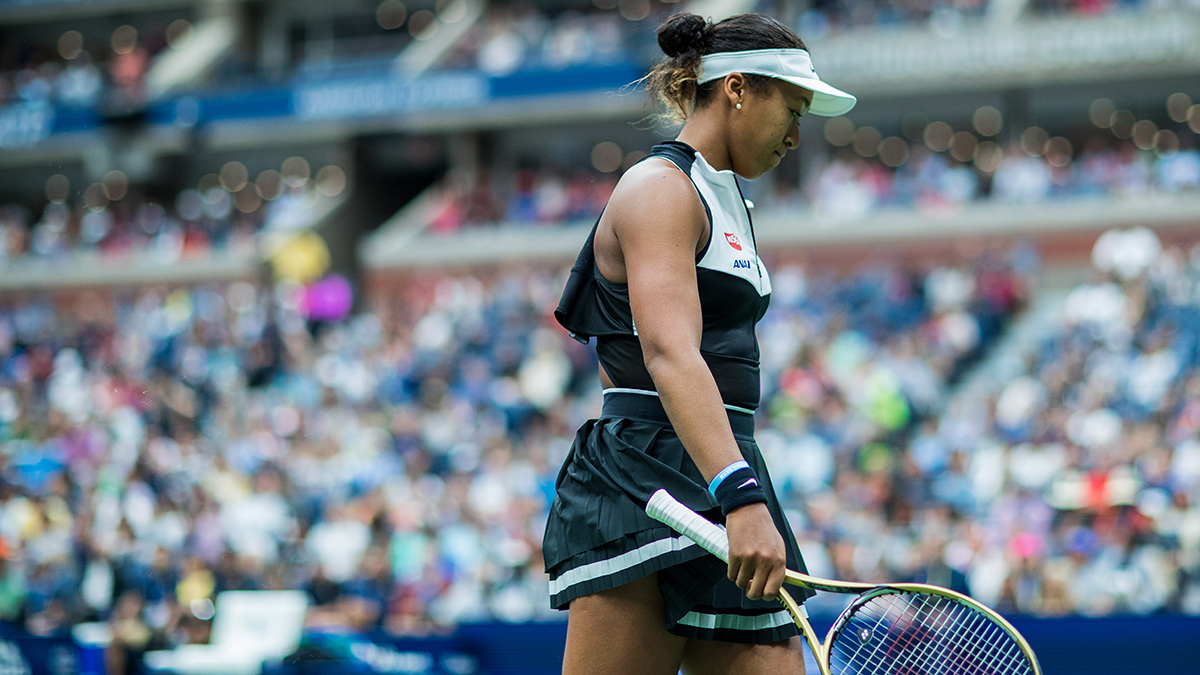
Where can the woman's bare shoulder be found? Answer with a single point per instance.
(655, 188)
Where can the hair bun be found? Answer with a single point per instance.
(684, 33)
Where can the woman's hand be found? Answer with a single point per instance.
(757, 558)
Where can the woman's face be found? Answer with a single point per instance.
(766, 127)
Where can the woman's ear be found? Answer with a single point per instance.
(734, 87)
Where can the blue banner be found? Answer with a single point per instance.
(23, 125)
(1126, 645)
(388, 96)
(346, 653)
(544, 82)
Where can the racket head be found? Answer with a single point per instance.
(895, 630)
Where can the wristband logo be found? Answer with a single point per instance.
(751, 482)
(733, 241)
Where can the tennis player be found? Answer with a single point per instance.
(671, 285)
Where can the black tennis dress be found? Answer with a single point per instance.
(598, 535)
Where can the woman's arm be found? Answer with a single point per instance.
(657, 220)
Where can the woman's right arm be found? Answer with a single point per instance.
(658, 220)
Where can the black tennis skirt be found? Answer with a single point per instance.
(599, 536)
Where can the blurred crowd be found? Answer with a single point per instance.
(855, 370)
(846, 184)
(830, 16)
(1097, 7)
(70, 74)
(116, 220)
(528, 196)
(129, 226)
(510, 37)
(74, 84)
(523, 37)
(945, 18)
(851, 185)
(160, 446)
(1071, 489)
(165, 446)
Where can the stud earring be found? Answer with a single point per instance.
(739, 106)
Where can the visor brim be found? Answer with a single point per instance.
(827, 101)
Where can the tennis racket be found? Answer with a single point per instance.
(890, 629)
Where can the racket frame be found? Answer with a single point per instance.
(713, 538)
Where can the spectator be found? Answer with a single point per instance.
(13, 590)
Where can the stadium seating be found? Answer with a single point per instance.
(275, 293)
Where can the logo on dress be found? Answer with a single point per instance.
(733, 241)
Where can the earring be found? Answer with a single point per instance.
(739, 106)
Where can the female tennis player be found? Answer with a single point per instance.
(671, 285)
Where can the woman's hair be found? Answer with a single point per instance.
(684, 38)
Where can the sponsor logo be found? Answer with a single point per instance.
(750, 482)
(741, 264)
(733, 241)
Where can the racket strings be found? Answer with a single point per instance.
(915, 649)
(903, 641)
(921, 634)
(985, 632)
(988, 634)
(978, 630)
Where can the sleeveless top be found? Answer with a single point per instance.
(733, 286)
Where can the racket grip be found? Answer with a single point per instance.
(668, 510)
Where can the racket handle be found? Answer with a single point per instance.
(668, 510)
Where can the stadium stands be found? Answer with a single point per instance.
(398, 465)
(189, 406)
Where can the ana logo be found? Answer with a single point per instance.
(741, 264)
(733, 241)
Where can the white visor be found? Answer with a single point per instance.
(789, 65)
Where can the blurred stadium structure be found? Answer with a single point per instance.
(275, 281)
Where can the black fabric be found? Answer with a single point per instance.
(739, 489)
(598, 514)
(730, 307)
(584, 309)
(648, 408)
(592, 306)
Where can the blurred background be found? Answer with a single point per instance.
(280, 390)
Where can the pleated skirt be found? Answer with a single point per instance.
(599, 536)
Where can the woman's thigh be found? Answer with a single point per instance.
(731, 658)
(621, 631)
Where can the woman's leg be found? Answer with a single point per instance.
(731, 658)
(620, 631)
